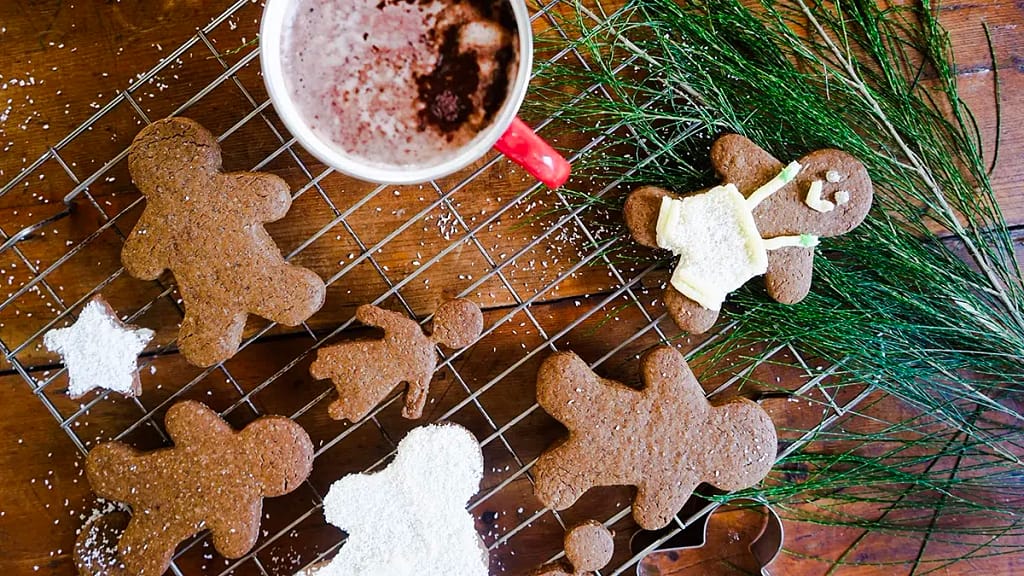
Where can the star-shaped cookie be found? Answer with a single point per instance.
(100, 351)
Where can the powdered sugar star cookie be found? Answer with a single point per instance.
(410, 518)
(100, 351)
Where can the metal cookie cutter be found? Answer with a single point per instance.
(740, 537)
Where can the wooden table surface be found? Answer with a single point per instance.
(62, 62)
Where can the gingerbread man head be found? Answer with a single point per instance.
(664, 439)
(765, 218)
(169, 154)
(213, 477)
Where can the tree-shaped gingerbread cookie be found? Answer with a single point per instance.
(765, 218)
(207, 228)
(366, 371)
(212, 478)
(664, 439)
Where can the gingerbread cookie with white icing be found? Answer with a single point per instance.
(765, 218)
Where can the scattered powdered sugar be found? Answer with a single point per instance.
(410, 518)
(99, 350)
(96, 546)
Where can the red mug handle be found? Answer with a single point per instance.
(524, 147)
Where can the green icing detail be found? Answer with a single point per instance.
(789, 172)
(808, 240)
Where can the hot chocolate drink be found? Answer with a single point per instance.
(399, 83)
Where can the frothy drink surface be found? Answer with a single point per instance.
(399, 83)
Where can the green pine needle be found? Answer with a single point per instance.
(924, 301)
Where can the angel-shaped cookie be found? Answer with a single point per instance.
(765, 218)
(410, 519)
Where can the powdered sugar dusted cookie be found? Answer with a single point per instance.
(100, 351)
(206, 226)
(212, 478)
(765, 218)
(664, 439)
(588, 548)
(410, 519)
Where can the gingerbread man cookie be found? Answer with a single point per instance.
(588, 548)
(213, 477)
(207, 228)
(664, 440)
(765, 218)
(365, 371)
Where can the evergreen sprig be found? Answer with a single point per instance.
(923, 301)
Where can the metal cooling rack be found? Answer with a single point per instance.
(627, 288)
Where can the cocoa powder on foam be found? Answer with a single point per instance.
(396, 82)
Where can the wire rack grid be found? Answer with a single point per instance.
(294, 534)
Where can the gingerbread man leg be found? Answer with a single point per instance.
(298, 294)
(416, 396)
(147, 532)
(349, 367)
(210, 334)
(687, 314)
(655, 506)
(558, 485)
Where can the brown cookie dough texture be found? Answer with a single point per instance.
(739, 161)
(664, 440)
(207, 228)
(366, 371)
(212, 478)
(588, 548)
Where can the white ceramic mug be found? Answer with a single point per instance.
(507, 132)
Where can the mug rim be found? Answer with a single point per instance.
(330, 154)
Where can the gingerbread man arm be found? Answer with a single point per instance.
(267, 196)
(107, 466)
(789, 274)
(145, 255)
(190, 422)
(740, 161)
(641, 213)
(385, 319)
(667, 375)
(655, 505)
(232, 537)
